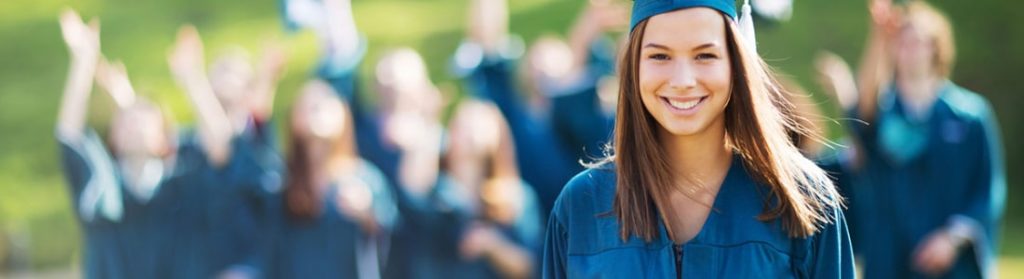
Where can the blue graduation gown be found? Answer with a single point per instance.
(426, 241)
(583, 241)
(326, 246)
(525, 231)
(244, 207)
(155, 238)
(584, 128)
(959, 174)
(372, 147)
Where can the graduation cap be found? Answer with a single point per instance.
(644, 9)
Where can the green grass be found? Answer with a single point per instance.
(33, 200)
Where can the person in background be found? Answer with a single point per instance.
(139, 198)
(504, 238)
(485, 61)
(339, 208)
(926, 174)
(242, 206)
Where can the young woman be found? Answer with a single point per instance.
(927, 182)
(486, 61)
(339, 207)
(241, 206)
(704, 181)
(139, 198)
(503, 239)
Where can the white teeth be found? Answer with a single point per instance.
(684, 105)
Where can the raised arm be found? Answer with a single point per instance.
(83, 42)
(113, 78)
(341, 29)
(597, 17)
(264, 87)
(876, 62)
(186, 62)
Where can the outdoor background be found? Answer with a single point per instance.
(38, 231)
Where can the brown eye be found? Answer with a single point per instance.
(659, 56)
(706, 56)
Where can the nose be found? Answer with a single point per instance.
(682, 77)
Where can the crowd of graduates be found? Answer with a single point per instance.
(382, 187)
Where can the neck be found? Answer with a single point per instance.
(699, 158)
(919, 93)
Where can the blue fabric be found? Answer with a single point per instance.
(244, 207)
(525, 232)
(157, 238)
(326, 246)
(542, 160)
(580, 122)
(369, 140)
(583, 241)
(960, 172)
(101, 254)
(644, 9)
(425, 242)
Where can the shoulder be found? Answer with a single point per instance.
(966, 104)
(590, 192)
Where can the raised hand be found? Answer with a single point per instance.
(885, 17)
(186, 62)
(113, 78)
(82, 40)
(835, 76)
(186, 58)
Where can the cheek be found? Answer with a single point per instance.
(718, 78)
(650, 78)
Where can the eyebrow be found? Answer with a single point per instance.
(700, 47)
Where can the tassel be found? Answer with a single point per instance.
(746, 24)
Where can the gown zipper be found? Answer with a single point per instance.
(678, 249)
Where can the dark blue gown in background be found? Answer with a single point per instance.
(542, 159)
(158, 237)
(920, 176)
(328, 246)
(244, 209)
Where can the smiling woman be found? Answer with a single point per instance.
(703, 180)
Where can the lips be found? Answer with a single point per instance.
(684, 105)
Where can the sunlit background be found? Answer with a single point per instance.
(38, 233)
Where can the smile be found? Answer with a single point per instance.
(684, 104)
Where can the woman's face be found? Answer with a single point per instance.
(915, 51)
(318, 114)
(138, 131)
(684, 70)
(473, 132)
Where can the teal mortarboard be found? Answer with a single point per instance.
(644, 9)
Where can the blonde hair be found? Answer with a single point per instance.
(934, 24)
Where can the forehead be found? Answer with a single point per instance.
(685, 28)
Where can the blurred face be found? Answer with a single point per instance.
(138, 132)
(404, 84)
(550, 58)
(684, 70)
(474, 134)
(318, 114)
(915, 52)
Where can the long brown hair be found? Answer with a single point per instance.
(757, 121)
(302, 199)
